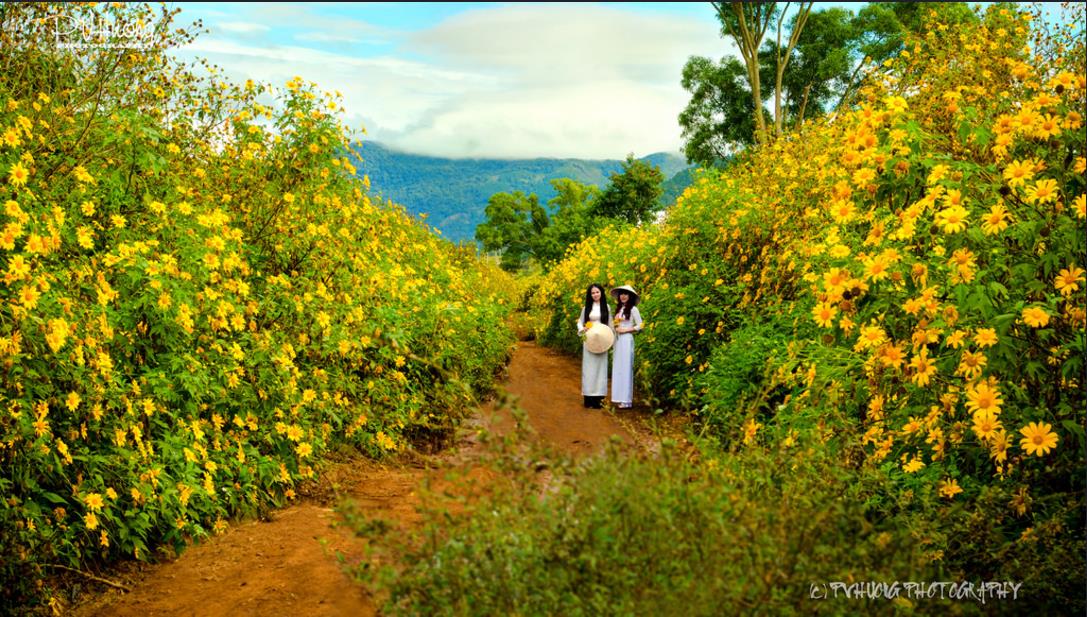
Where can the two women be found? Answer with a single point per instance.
(594, 364)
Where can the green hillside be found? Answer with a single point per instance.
(453, 192)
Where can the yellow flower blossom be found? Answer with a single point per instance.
(984, 398)
(986, 425)
(996, 220)
(952, 219)
(18, 175)
(82, 175)
(954, 339)
(915, 465)
(985, 337)
(93, 501)
(891, 355)
(949, 487)
(1038, 438)
(923, 368)
(1017, 173)
(939, 172)
(750, 428)
(1042, 192)
(1035, 317)
(824, 314)
(1068, 279)
(85, 237)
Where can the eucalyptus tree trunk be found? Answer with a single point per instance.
(746, 23)
(783, 61)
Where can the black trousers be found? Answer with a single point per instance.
(594, 402)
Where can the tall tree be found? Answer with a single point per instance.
(571, 219)
(632, 196)
(746, 23)
(781, 58)
(820, 66)
(513, 226)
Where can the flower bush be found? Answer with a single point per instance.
(905, 280)
(200, 298)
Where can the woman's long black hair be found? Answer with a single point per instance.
(622, 309)
(589, 304)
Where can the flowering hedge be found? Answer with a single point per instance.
(200, 299)
(904, 282)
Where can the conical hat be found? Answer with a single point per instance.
(628, 289)
(599, 338)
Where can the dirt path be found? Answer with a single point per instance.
(285, 566)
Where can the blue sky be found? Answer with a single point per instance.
(475, 79)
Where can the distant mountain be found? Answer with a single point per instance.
(453, 193)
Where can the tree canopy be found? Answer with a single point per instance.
(634, 195)
(514, 222)
(828, 57)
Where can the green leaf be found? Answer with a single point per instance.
(1075, 428)
(54, 498)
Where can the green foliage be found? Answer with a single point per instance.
(571, 220)
(734, 383)
(720, 115)
(622, 536)
(674, 186)
(522, 232)
(632, 196)
(515, 223)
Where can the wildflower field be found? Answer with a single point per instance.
(199, 300)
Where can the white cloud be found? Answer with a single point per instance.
(301, 15)
(387, 94)
(517, 81)
(571, 43)
(600, 120)
(580, 80)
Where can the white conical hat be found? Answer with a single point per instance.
(599, 338)
(627, 288)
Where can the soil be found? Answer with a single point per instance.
(288, 565)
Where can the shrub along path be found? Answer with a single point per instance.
(285, 565)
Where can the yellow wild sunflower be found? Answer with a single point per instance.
(1035, 317)
(984, 398)
(1038, 438)
(1068, 279)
